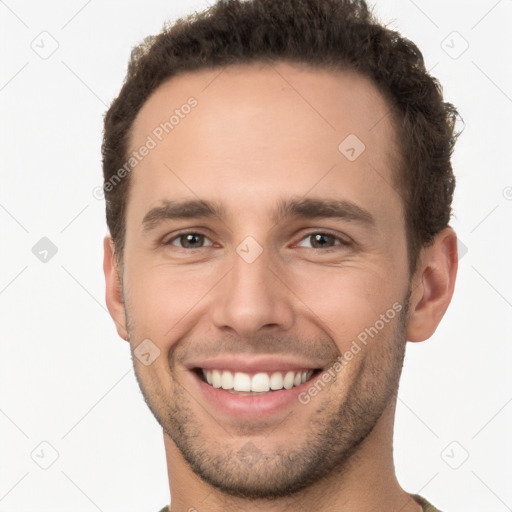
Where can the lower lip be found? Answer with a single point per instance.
(250, 406)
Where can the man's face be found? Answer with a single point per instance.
(279, 283)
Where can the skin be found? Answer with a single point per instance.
(252, 141)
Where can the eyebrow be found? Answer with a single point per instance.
(307, 208)
(175, 210)
(323, 208)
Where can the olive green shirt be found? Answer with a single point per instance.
(427, 507)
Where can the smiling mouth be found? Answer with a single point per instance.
(242, 383)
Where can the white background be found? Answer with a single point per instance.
(66, 378)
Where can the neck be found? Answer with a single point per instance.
(366, 483)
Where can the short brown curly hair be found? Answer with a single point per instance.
(333, 34)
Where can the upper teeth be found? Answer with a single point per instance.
(260, 382)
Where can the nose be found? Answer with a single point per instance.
(253, 297)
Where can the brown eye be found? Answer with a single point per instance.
(189, 241)
(322, 240)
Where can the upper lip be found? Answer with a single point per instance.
(255, 364)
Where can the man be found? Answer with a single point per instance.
(278, 186)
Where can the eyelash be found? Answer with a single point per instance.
(342, 241)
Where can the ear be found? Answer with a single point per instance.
(113, 290)
(432, 285)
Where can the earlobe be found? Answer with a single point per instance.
(433, 285)
(113, 291)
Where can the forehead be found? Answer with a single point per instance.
(333, 100)
(264, 124)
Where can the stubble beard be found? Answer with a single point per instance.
(329, 446)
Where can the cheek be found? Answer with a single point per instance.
(161, 303)
(345, 302)
(160, 299)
